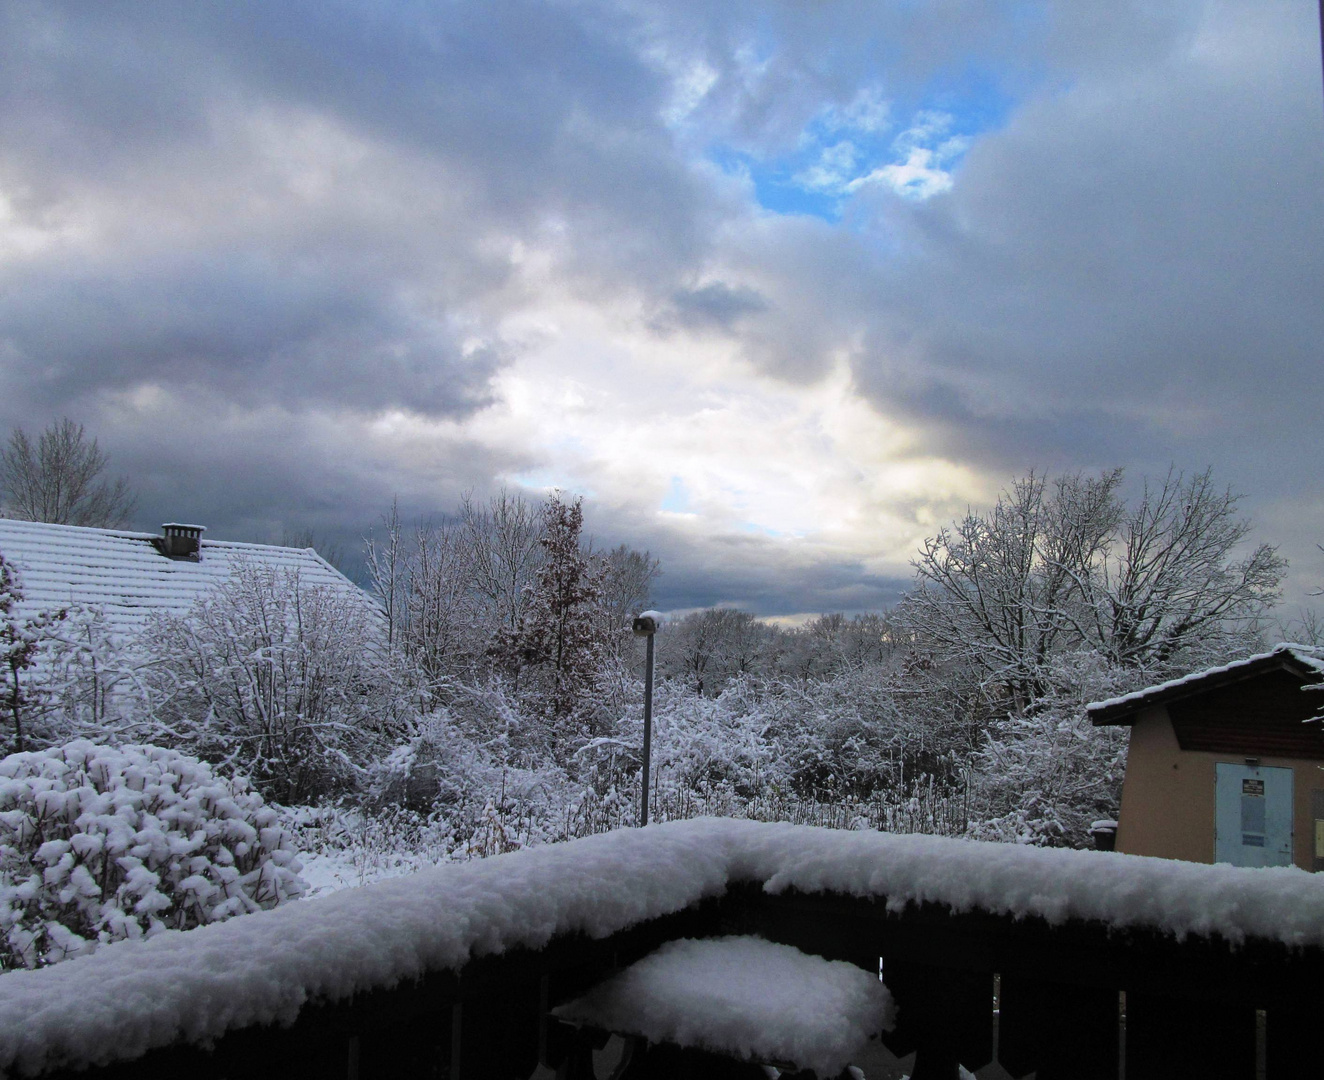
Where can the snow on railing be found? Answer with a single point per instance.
(193, 987)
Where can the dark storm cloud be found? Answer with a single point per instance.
(755, 577)
(1141, 246)
(256, 475)
(522, 114)
(715, 305)
(239, 323)
(291, 220)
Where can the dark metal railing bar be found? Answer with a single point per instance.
(352, 1058)
(544, 1005)
(1121, 1035)
(1261, 1044)
(457, 1023)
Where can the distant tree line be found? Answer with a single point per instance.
(493, 676)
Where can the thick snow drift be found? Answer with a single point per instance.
(196, 985)
(743, 996)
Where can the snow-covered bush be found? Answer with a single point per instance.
(1044, 777)
(98, 844)
(277, 678)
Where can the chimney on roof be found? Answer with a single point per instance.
(180, 541)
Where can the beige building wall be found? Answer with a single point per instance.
(1168, 796)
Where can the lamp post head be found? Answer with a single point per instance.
(646, 623)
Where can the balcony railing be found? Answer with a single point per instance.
(1065, 964)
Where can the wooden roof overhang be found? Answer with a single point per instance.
(1261, 707)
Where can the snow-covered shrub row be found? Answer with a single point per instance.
(495, 694)
(99, 844)
(264, 968)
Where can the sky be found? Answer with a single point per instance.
(779, 288)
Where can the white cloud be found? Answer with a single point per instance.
(870, 111)
(602, 405)
(918, 177)
(926, 153)
(833, 170)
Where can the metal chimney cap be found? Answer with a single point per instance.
(180, 541)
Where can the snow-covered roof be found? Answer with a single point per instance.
(1305, 661)
(125, 575)
(194, 986)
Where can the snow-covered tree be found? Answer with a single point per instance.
(278, 679)
(564, 636)
(1067, 566)
(21, 638)
(99, 844)
(91, 681)
(710, 648)
(1044, 776)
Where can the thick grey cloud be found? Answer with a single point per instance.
(244, 236)
(473, 120)
(1130, 272)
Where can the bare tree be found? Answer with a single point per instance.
(386, 563)
(710, 648)
(58, 479)
(832, 644)
(1069, 566)
(504, 539)
(328, 547)
(438, 609)
(627, 583)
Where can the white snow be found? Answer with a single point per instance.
(123, 574)
(259, 968)
(1307, 655)
(743, 996)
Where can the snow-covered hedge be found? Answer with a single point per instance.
(99, 844)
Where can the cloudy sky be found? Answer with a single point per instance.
(779, 288)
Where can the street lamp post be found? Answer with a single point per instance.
(645, 626)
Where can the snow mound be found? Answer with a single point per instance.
(743, 996)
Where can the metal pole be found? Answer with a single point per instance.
(648, 729)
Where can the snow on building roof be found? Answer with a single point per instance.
(124, 573)
(194, 986)
(1303, 660)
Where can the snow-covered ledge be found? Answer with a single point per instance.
(197, 985)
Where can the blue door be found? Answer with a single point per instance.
(1252, 815)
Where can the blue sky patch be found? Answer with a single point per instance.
(677, 499)
(909, 147)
